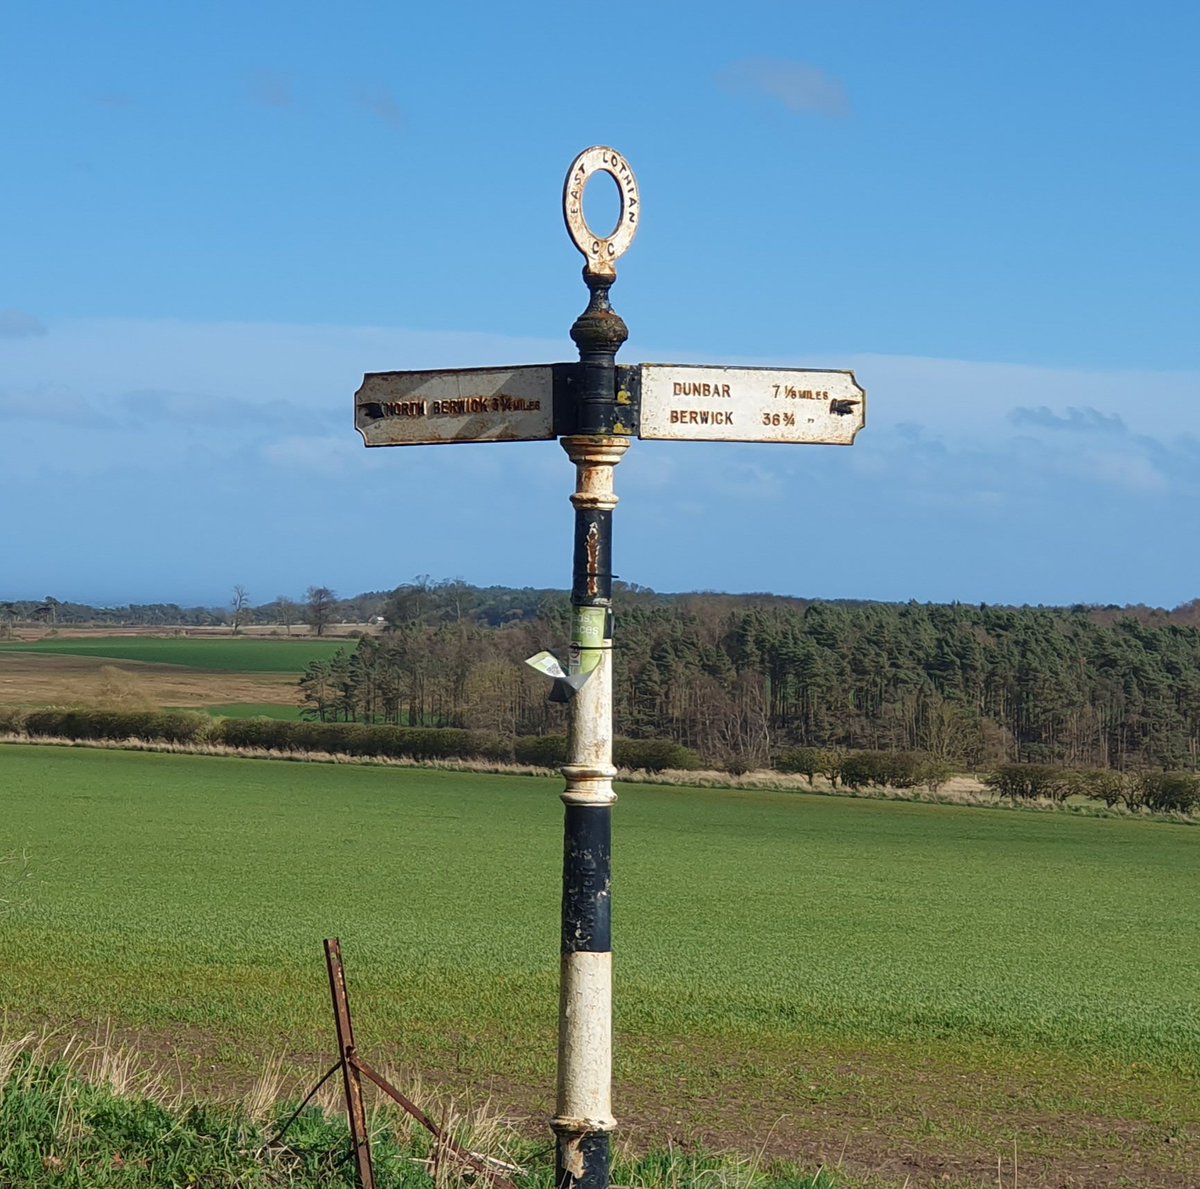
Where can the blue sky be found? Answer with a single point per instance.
(215, 218)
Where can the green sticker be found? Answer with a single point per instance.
(588, 637)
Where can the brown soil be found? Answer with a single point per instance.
(870, 1119)
(259, 631)
(35, 679)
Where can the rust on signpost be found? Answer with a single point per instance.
(602, 429)
(596, 408)
(355, 1111)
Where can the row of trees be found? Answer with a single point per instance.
(445, 600)
(1157, 790)
(438, 601)
(740, 680)
(1160, 791)
(51, 612)
(319, 608)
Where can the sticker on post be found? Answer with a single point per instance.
(590, 637)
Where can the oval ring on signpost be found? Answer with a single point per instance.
(601, 252)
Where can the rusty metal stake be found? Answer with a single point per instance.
(355, 1111)
(353, 1065)
(472, 1159)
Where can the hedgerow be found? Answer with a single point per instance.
(337, 738)
(646, 755)
(360, 739)
(173, 726)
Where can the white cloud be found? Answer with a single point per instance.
(798, 86)
(1086, 420)
(1136, 472)
(382, 104)
(995, 470)
(162, 407)
(747, 480)
(328, 455)
(17, 324)
(48, 402)
(270, 89)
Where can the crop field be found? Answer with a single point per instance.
(255, 710)
(239, 677)
(232, 654)
(897, 989)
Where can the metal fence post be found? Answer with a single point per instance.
(356, 1113)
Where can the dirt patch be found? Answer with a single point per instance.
(873, 1119)
(892, 1117)
(35, 679)
(300, 631)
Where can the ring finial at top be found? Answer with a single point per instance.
(601, 252)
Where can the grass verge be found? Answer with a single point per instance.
(89, 1117)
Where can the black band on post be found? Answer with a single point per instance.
(586, 1164)
(587, 880)
(592, 574)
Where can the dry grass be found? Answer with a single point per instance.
(298, 631)
(480, 1128)
(49, 1125)
(99, 1060)
(32, 679)
(476, 1128)
(11, 1047)
(267, 1091)
(963, 789)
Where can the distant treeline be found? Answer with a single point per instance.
(493, 605)
(741, 679)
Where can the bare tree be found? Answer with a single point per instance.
(241, 603)
(744, 734)
(47, 610)
(289, 612)
(319, 608)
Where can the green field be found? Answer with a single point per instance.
(224, 654)
(932, 972)
(255, 710)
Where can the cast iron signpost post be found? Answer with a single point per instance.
(595, 408)
(583, 1119)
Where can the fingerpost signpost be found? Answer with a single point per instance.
(595, 408)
